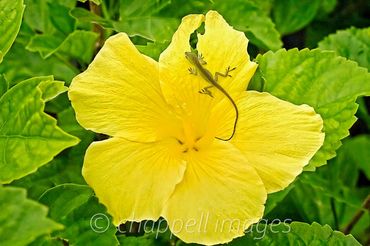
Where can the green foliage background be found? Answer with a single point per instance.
(45, 43)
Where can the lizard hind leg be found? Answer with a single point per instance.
(206, 91)
(226, 74)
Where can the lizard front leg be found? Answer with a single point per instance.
(193, 70)
(201, 59)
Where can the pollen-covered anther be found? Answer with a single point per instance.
(186, 146)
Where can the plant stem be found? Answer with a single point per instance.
(357, 216)
(96, 9)
(335, 215)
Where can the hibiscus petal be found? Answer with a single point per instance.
(278, 138)
(119, 94)
(219, 197)
(174, 56)
(133, 180)
(223, 116)
(223, 47)
(181, 88)
(178, 85)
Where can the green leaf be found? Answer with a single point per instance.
(324, 194)
(11, 13)
(291, 15)
(84, 15)
(47, 241)
(138, 18)
(131, 8)
(22, 220)
(355, 153)
(59, 16)
(49, 17)
(362, 112)
(29, 138)
(66, 168)
(45, 44)
(97, 2)
(59, 171)
(153, 28)
(328, 83)
(68, 122)
(78, 45)
(150, 239)
(63, 199)
(69, 3)
(352, 43)
(323, 205)
(4, 86)
(296, 233)
(50, 89)
(31, 64)
(153, 49)
(187, 7)
(266, 5)
(249, 18)
(36, 16)
(326, 7)
(274, 199)
(25, 34)
(86, 221)
(53, 25)
(58, 104)
(334, 197)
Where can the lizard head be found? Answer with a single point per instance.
(192, 57)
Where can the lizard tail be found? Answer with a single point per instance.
(236, 119)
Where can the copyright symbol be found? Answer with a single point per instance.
(99, 223)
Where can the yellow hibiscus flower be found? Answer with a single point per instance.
(165, 157)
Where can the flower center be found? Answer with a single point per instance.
(189, 146)
(193, 138)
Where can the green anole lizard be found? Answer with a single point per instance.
(198, 62)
